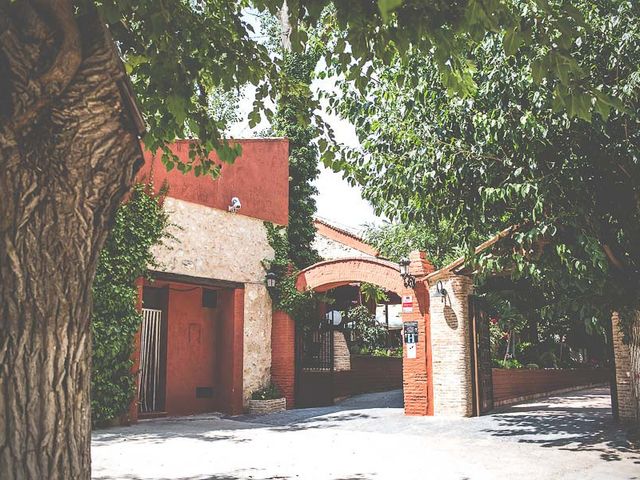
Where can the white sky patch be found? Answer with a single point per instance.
(337, 201)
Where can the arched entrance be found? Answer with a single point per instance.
(332, 274)
(329, 274)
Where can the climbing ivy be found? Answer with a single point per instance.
(140, 224)
(295, 109)
(302, 306)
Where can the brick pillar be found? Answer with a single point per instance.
(451, 346)
(416, 372)
(283, 340)
(237, 400)
(341, 355)
(622, 357)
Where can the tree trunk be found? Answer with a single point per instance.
(68, 156)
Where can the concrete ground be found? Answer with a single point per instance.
(570, 436)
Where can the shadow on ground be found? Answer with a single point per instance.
(554, 423)
(253, 474)
(199, 427)
(327, 417)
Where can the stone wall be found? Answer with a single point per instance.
(330, 249)
(211, 243)
(451, 347)
(623, 372)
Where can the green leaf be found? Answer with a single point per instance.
(512, 41)
(387, 7)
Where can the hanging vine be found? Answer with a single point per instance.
(140, 224)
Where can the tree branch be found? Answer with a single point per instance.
(615, 261)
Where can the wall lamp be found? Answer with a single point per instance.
(441, 292)
(409, 280)
(271, 280)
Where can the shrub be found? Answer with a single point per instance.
(508, 364)
(382, 352)
(270, 392)
(369, 335)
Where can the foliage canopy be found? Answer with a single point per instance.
(514, 153)
(179, 53)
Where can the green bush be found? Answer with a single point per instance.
(270, 392)
(140, 224)
(369, 335)
(508, 364)
(382, 352)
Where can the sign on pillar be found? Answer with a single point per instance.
(411, 338)
(407, 304)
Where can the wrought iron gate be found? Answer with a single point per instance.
(480, 358)
(149, 393)
(314, 365)
(314, 348)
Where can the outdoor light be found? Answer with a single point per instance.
(271, 280)
(409, 280)
(441, 292)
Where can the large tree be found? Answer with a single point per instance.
(69, 152)
(516, 153)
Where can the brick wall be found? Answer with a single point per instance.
(514, 384)
(451, 347)
(368, 374)
(283, 373)
(341, 355)
(622, 358)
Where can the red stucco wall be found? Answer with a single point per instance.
(203, 349)
(230, 351)
(191, 350)
(259, 178)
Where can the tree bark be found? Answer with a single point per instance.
(63, 174)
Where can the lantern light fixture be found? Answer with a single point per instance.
(408, 279)
(271, 280)
(441, 292)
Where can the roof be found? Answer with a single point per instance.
(345, 235)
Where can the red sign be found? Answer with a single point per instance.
(407, 304)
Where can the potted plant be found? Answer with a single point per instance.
(266, 400)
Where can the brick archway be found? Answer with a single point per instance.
(329, 274)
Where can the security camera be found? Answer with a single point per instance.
(235, 205)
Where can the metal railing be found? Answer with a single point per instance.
(150, 338)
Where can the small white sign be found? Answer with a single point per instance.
(407, 304)
(411, 350)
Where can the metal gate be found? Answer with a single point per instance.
(149, 393)
(314, 349)
(314, 365)
(480, 358)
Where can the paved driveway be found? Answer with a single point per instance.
(368, 437)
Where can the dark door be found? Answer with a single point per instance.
(314, 365)
(153, 331)
(480, 358)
